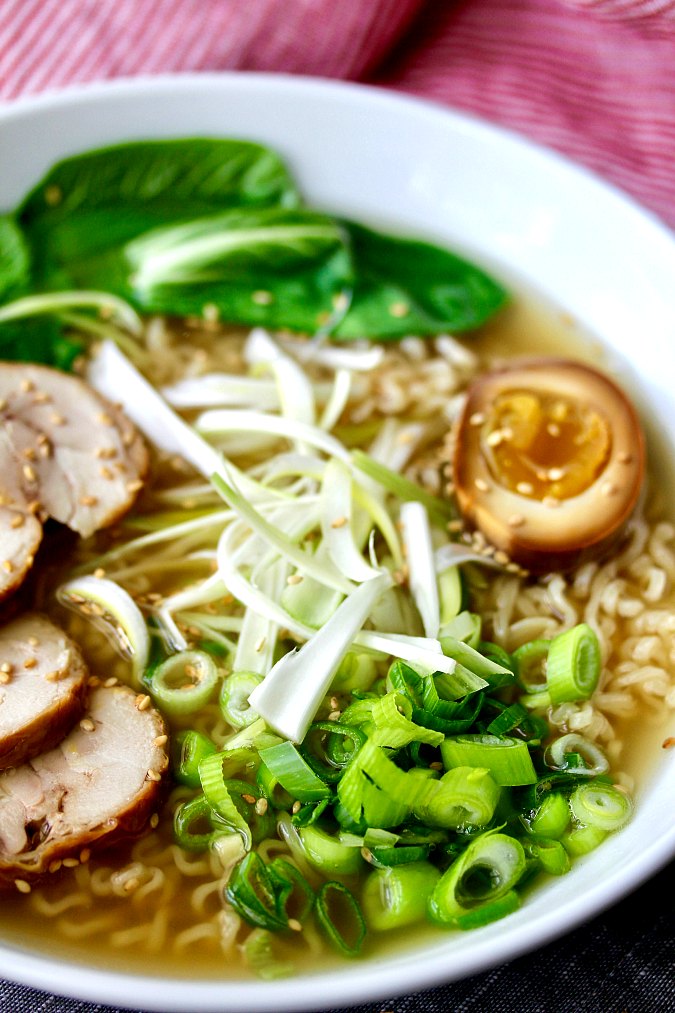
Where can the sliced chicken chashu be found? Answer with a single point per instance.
(43, 687)
(65, 453)
(101, 783)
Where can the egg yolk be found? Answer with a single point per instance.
(545, 446)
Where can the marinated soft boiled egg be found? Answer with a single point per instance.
(549, 461)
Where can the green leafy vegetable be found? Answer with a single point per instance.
(405, 286)
(104, 198)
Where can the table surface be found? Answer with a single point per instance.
(621, 962)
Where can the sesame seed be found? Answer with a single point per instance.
(339, 522)
(131, 884)
(297, 806)
(22, 886)
(57, 419)
(555, 474)
(668, 743)
(45, 450)
(262, 298)
(129, 438)
(367, 854)
(29, 453)
(261, 806)
(153, 775)
(481, 485)
(608, 489)
(55, 865)
(515, 520)
(495, 438)
(109, 683)
(5, 678)
(93, 681)
(33, 641)
(105, 453)
(501, 557)
(334, 703)
(525, 488)
(88, 500)
(105, 419)
(154, 820)
(34, 507)
(335, 715)
(142, 702)
(29, 473)
(135, 485)
(6, 667)
(260, 645)
(553, 429)
(295, 578)
(455, 525)
(53, 195)
(99, 573)
(30, 663)
(477, 419)
(624, 457)
(17, 521)
(87, 725)
(161, 740)
(71, 863)
(399, 309)
(251, 799)
(27, 385)
(105, 472)
(294, 925)
(41, 397)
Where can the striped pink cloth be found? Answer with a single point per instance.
(594, 79)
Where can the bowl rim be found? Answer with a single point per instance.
(374, 979)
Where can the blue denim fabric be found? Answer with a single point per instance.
(621, 962)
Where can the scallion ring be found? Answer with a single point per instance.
(573, 665)
(601, 805)
(184, 682)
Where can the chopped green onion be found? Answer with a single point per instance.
(550, 854)
(552, 817)
(582, 840)
(293, 772)
(309, 813)
(490, 912)
(190, 748)
(295, 893)
(573, 666)
(234, 695)
(484, 873)
(393, 727)
(255, 895)
(331, 738)
(530, 662)
(258, 950)
(214, 785)
(388, 857)
(328, 854)
(194, 827)
(601, 805)
(398, 896)
(184, 682)
(507, 759)
(594, 761)
(259, 820)
(340, 917)
(464, 796)
(508, 719)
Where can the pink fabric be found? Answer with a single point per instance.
(594, 79)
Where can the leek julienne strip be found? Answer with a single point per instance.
(306, 563)
(420, 557)
(118, 611)
(290, 695)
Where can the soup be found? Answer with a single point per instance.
(168, 899)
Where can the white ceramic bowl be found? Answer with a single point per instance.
(445, 176)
